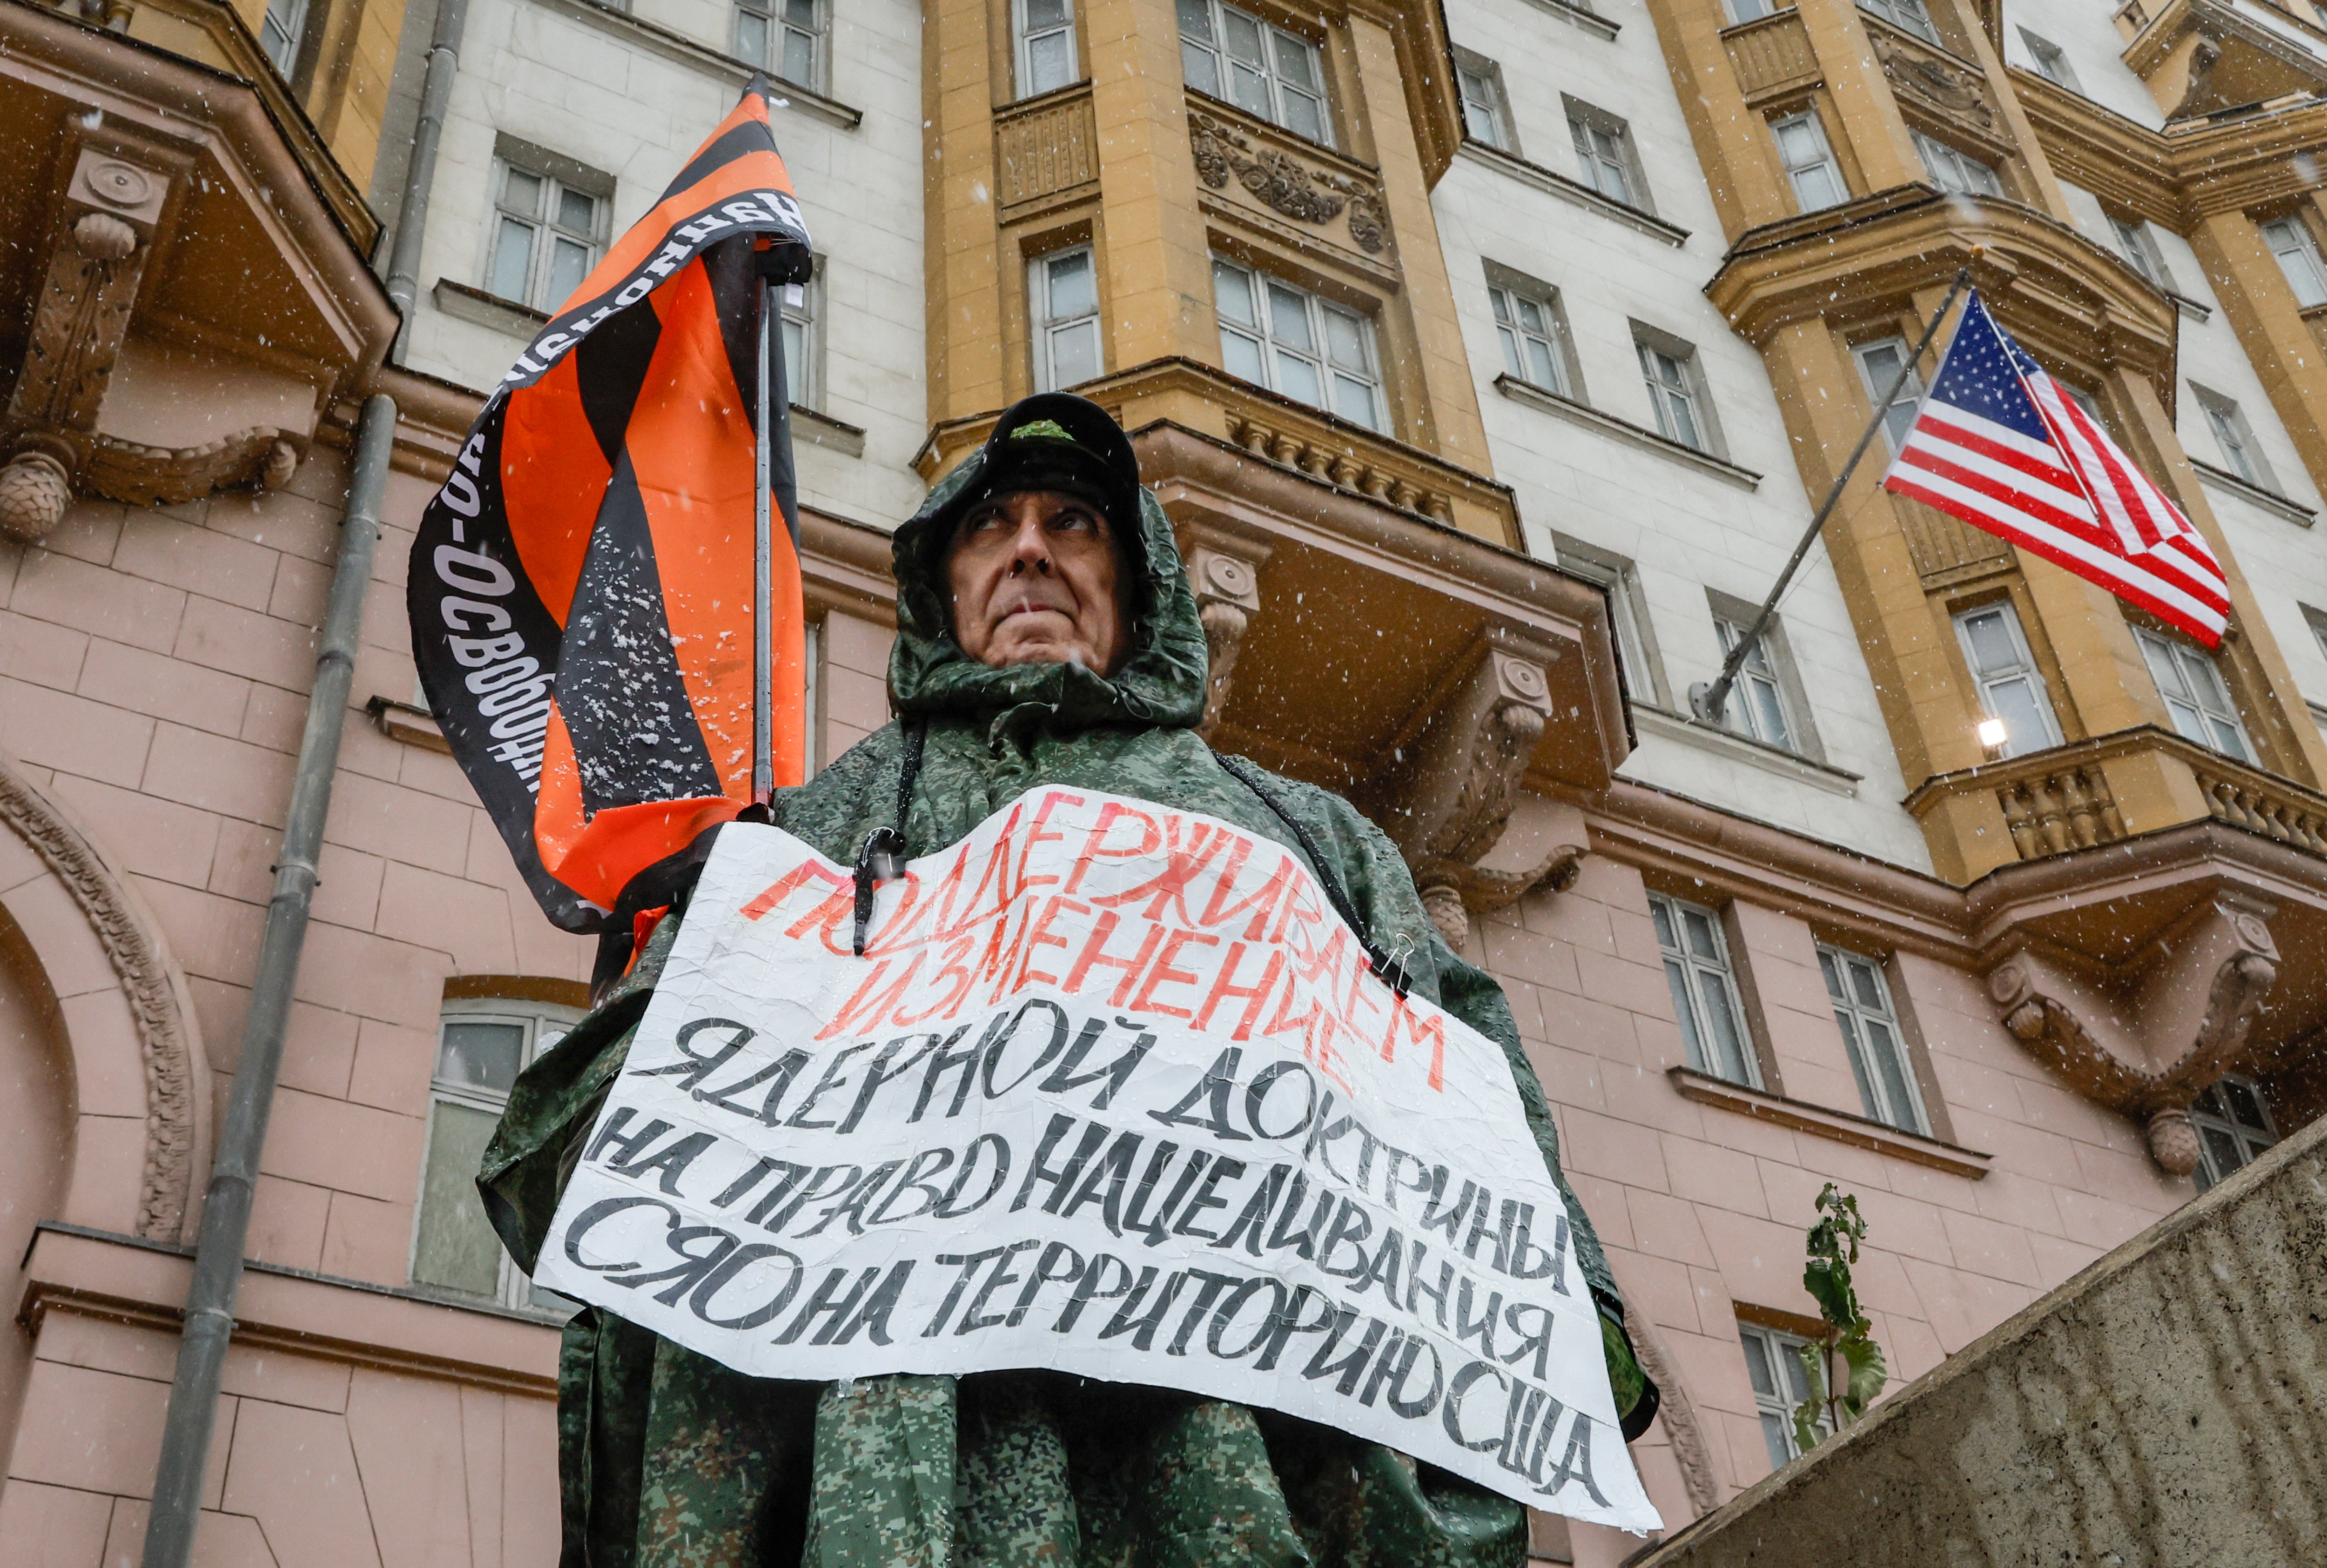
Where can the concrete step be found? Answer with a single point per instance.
(2166, 1406)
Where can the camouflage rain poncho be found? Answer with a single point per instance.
(670, 1461)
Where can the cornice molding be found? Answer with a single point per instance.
(150, 984)
(2056, 289)
(2178, 176)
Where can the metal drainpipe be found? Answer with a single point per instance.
(226, 1207)
(420, 177)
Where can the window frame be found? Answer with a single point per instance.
(2139, 249)
(1779, 1349)
(1635, 632)
(1506, 290)
(1469, 66)
(1691, 1009)
(1270, 69)
(804, 366)
(1910, 400)
(556, 174)
(1934, 152)
(1858, 1020)
(1042, 328)
(2300, 242)
(1757, 677)
(1759, 8)
(772, 14)
(1776, 659)
(513, 1290)
(2242, 454)
(1917, 18)
(1023, 36)
(1622, 157)
(2213, 1113)
(1261, 334)
(1808, 116)
(2050, 61)
(281, 31)
(1687, 385)
(2028, 669)
(2182, 656)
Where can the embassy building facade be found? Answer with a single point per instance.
(1491, 357)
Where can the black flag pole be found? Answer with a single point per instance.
(763, 767)
(1707, 699)
(778, 490)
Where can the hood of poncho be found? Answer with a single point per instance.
(1162, 684)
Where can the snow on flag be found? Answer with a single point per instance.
(581, 587)
(2000, 444)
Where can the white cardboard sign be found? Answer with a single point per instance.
(1112, 1092)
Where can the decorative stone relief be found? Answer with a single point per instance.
(154, 1002)
(2146, 1039)
(1925, 73)
(95, 274)
(79, 323)
(1453, 791)
(1226, 577)
(1284, 183)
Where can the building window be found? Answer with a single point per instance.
(1957, 173)
(1870, 1037)
(1703, 990)
(1603, 148)
(1757, 704)
(481, 1046)
(2051, 63)
(798, 323)
(1628, 612)
(1277, 75)
(2011, 687)
(1065, 310)
(787, 36)
(2236, 437)
(2139, 248)
(279, 33)
(1774, 1362)
(1878, 364)
(1486, 115)
(1291, 341)
(2233, 1128)
(1046, 45)
(2291, 242)
(1753, 10)
(549, 226)
(1909, 15)
(2192, 685)
(1809, 162)
(1534, 336)
(1675, 395)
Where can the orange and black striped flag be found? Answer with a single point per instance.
(581, 587)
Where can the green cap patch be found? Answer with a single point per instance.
(1041, 429)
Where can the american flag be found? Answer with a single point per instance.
(2000, 444)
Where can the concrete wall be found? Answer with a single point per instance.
(2164, 1407)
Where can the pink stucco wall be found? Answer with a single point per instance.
(153, 672)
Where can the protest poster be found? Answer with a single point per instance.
(1113, 1092)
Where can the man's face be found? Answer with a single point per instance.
(1035, 579)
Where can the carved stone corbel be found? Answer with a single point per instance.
(95, 269)
(2148, 1037)
(1225, 574)
(1454, 785)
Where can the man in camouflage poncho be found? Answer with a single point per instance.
(668, 1460)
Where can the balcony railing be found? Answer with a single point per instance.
(2101, 790)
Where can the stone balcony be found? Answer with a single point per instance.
(2101, 791)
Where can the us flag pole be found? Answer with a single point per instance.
(1707, 699)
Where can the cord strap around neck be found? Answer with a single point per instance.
(1378, 958)
(882, 855)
